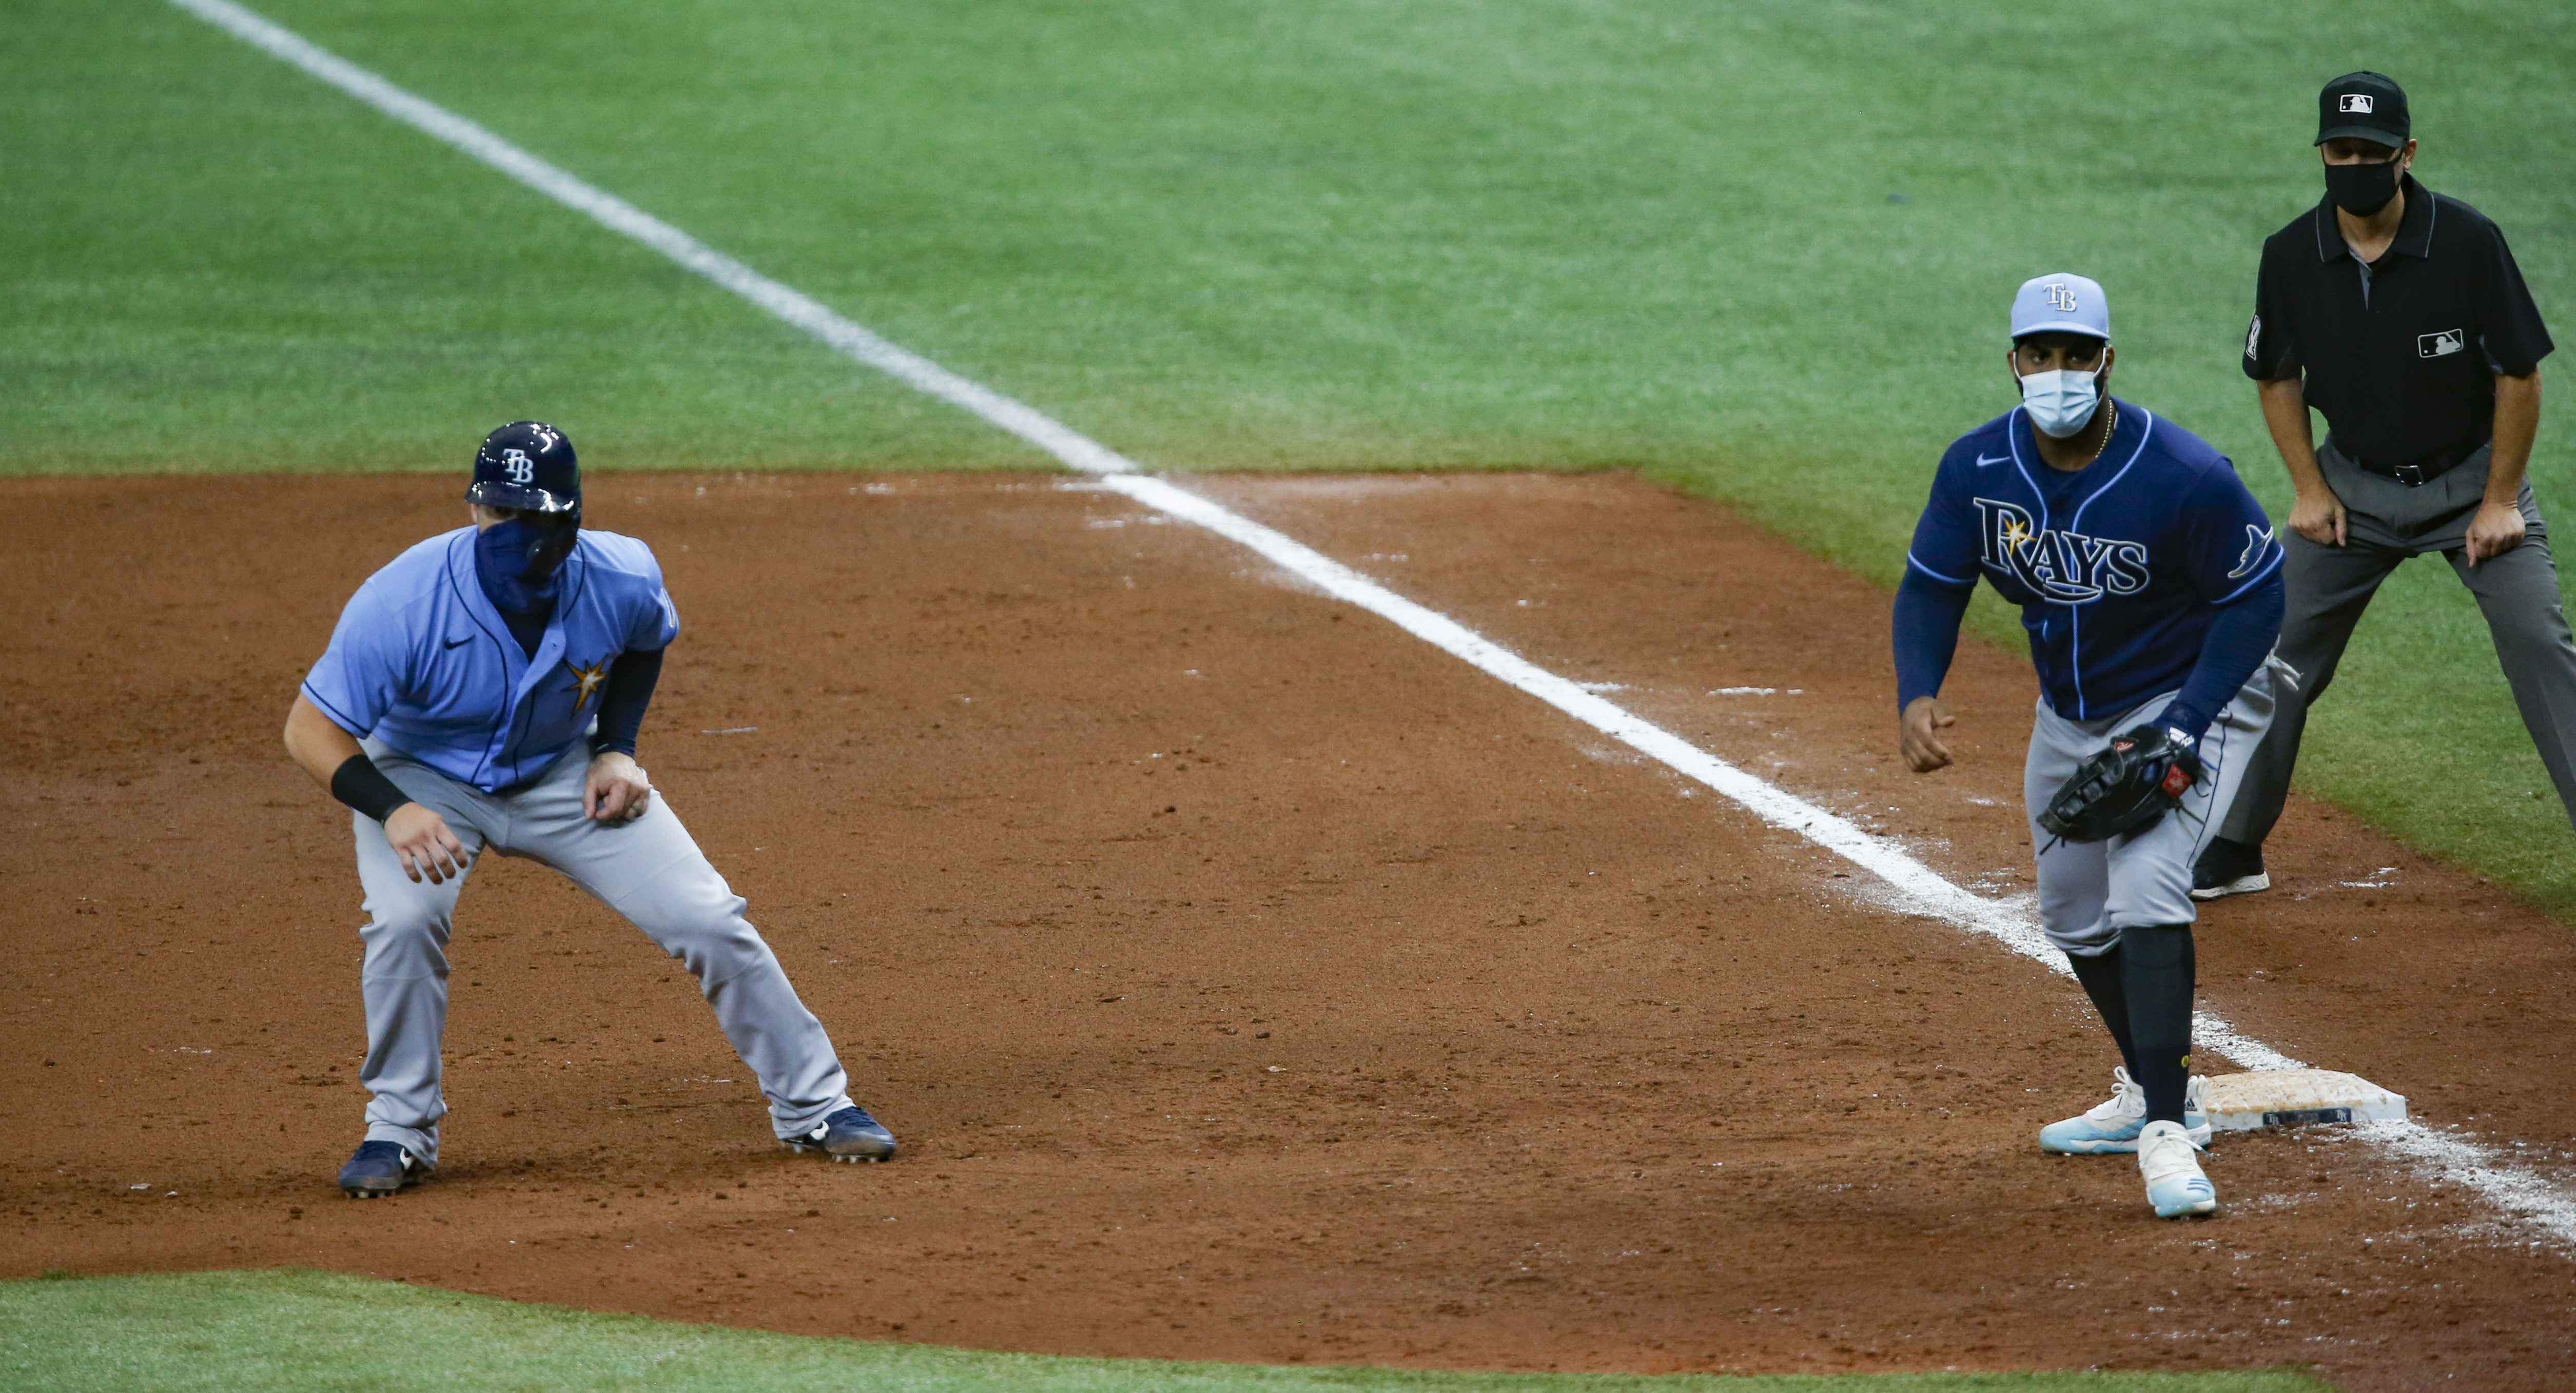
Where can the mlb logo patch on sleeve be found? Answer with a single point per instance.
(2441, 345)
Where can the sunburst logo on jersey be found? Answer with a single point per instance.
(591, 677)
(2017, 533)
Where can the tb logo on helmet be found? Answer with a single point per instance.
(518, 466)
(2061, 298)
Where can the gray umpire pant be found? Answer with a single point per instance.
(2090, 891)
(649, 870)
(2327, 588)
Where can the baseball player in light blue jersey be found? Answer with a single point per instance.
(483, 692)
(2149, 583)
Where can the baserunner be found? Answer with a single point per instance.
(483, 693)
(2149, 583)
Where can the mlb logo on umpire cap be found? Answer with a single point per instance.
(2064, 303)
(528, 465)
(2362, 106)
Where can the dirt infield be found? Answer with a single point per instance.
(1245, 979)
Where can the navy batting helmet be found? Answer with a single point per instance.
(527, 465)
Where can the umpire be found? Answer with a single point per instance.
(2398, 313)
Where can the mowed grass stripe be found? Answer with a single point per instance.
(275, 1331)
(212, 262)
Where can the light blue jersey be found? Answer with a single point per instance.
(422, 660)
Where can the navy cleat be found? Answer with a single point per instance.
(847, 1135)
(380, 1168)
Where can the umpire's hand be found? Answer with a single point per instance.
(1916, 737)
(617, 792)
(2496, 529)
(2319, 517)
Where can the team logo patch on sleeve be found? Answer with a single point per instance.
(2253, 337)
(2441, 345)
(2258, 544)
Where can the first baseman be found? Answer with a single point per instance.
(2149, 583)
(483, 692)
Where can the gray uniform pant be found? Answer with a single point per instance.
(649, 870)
(2090, 891)
(2327, 588)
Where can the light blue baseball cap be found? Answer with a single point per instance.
(2063, 303)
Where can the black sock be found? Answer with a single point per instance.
(2100, 975)
(2156, 972)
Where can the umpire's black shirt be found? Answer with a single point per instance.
(2400, 354)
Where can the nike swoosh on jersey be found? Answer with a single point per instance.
(454, 642)
(1984, 460)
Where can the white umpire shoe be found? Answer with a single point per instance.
(2228, 868)
(2170, 1161)
(2113, 1126)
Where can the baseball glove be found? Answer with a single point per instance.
(2126, 788)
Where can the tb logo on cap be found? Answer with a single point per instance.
(518, 466)
(2361, 102)
(2061, 298)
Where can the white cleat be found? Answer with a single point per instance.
(2113, 1125)
(2252, 884)
(2170, 1162)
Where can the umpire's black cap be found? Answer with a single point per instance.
(2363, 106)
(527, 465)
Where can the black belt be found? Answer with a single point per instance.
(2418, 473)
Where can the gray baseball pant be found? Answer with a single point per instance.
(2327, 588)
(649, 870)
(2090, 891)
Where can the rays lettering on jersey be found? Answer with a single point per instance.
(2067, 567)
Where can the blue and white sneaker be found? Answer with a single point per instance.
(2114, 1125)
(2170, 1161)
(847, 1135)
(379, 1168)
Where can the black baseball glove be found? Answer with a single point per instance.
(2125, 788)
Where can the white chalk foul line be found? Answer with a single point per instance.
(1916, 887)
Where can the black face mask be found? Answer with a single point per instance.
(2362, 189)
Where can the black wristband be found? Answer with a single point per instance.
(364, 787)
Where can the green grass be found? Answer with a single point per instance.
(1761, 250)
(247, 1332)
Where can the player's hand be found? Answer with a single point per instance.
(427, 848)
(2319, 518)
(1916, 737)
(617, 791)
(2498, 528)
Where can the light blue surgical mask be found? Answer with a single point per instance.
(2060, 401)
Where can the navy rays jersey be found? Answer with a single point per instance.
(2118, 567)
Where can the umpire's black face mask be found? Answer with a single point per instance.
(2362, 186)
